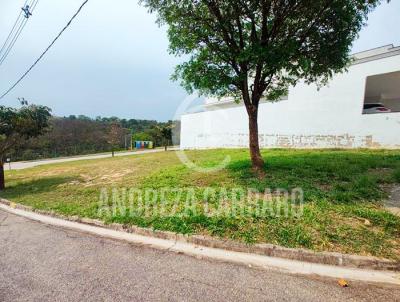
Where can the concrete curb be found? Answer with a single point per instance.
(192, 249)
(329, 258)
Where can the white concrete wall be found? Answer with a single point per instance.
(329, 118)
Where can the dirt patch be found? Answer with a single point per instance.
(393, 203)
(380, 170)
(108, 176)
(325, 187)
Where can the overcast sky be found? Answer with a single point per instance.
(113, 60)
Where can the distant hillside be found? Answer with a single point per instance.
(77, 135)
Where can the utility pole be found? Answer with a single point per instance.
(131, 140)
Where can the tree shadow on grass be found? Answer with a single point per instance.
(37, 186)
(338, 176)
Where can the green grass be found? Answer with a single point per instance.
(396, 175)
(343, 193)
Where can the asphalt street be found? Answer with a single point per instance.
(29, 164)
(46, 263)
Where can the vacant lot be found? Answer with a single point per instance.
(343, 193)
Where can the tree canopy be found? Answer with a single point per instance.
(275, 43)
(23, 123)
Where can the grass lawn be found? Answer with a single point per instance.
(343, 193)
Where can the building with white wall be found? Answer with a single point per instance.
(331, 117)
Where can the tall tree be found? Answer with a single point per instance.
(255, 49)
(16, 124)
(115, 135)
(164, 133)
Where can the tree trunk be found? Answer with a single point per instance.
(2, 181)
(256, 159)
(112, 153)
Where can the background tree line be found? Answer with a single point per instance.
(77, 135)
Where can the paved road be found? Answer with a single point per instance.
(30, 164)
(45, 263)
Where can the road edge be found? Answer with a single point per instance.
(328, 258)
(199, 251)
(64, 159)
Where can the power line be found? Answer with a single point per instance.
(13, 40)
(47, 49)
(14, 36)
(12, 30)
(18, 33)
